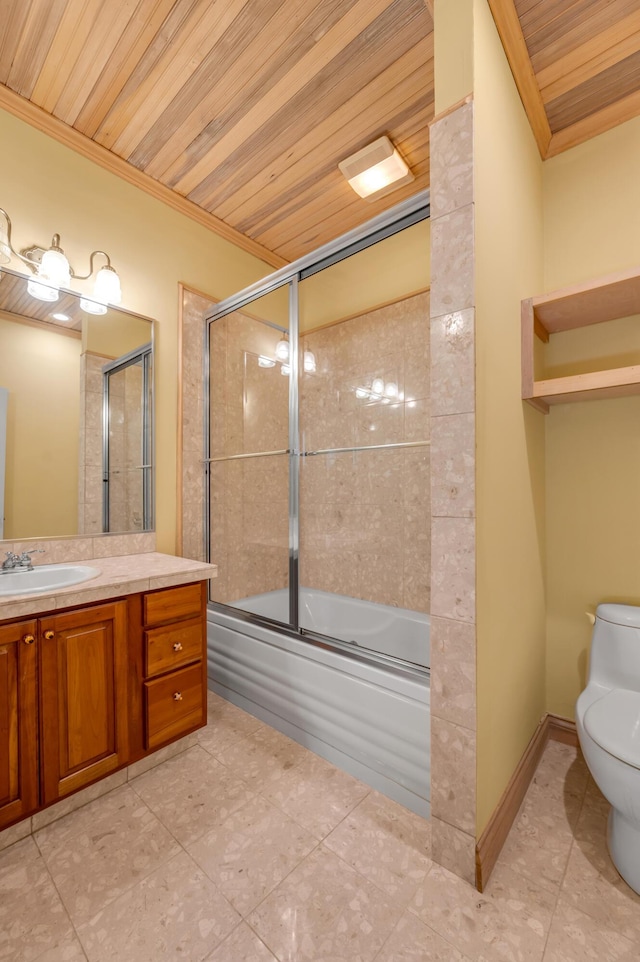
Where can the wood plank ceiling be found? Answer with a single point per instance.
(576, 64)
(244, 107)
(238, 111)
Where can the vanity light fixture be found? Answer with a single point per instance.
(282, 350)
(52, 271)
(376, 170)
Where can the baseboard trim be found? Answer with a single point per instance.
(489, 845)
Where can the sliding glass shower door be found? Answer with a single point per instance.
(249, 376)
(318, 459)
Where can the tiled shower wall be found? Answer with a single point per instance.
(365, 515)
(90, 447)
(365, 518)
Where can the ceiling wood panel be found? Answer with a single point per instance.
(237, 112)
(576, 64)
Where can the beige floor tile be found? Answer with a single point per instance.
(263, 756)
(592, 884)
(192, 793)
(575, 937)
(242, 945)
(479, 926)
(324, 910)
(99, 852)
(316, 794)
(386, 843)
(226, 723)
(69, 950)
(412, 941)
(594, 814)
(518, 890)
(538, 846)
(558, 785)
(175, 913)
(33, 919)
(251, 852)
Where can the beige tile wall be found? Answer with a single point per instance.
(365, 516)
(453, 605)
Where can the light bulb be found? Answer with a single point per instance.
(282, 350)
(377, 385)
(391, 389)
(285, 370)
(43, 292)
(92, 307)
(361, 392)
(107, 286)
(309, 362)
(54, 267)
(264, 361)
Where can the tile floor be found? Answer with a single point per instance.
(249, 848)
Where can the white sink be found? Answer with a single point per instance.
(44, 578)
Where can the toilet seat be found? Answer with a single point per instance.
(613, 722)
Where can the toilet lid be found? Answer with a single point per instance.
(614, 724)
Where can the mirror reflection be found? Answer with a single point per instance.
(76, 408)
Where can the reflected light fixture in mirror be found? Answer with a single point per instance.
(52, 271)
(376, 170)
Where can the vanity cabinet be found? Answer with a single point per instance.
(83, 697)
(86, 691)
(18, 721)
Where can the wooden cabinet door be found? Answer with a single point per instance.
(18, 721)
(83, 697)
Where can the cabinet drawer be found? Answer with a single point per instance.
(171, 604)
(172, 646)
(174, 704)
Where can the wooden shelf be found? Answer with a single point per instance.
(611, 297)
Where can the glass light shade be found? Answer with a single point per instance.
(282, 350)
(54, 267)
(264, 361)
(377, 385)
(92, 307)
(285, 370)
(393, 170)
(391, 389)
(361, 392)
(42, 292)
(309, 362)
(107, 286)
(5, 250)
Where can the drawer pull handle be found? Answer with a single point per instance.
(177, 696)
(49, 635)
(177, 646)
(28, 639)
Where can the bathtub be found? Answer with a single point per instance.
(370, 719)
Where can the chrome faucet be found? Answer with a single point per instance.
(22, 561)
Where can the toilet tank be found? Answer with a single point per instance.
(615, 647)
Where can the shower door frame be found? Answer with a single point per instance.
(406, 214)
(144, 355)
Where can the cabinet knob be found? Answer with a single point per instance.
(49, 634)
(177, 696)
(28, 639)
(177, 646)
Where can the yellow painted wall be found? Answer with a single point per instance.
(115, 333)
(41, 494)
(48, 188)
(510, 436)
(453, 51)
(591, 203)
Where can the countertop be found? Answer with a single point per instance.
(119, 576)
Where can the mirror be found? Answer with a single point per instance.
(76, 412)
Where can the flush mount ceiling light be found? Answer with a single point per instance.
(52, 271)
(376, 170)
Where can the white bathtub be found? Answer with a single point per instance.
(372, 720)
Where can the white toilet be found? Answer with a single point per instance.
(608, 721)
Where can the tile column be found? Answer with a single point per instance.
(453, 531)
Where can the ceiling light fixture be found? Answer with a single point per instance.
(376, 170)
(60, 317)
(52, 271)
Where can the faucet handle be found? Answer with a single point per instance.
(25, 557)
